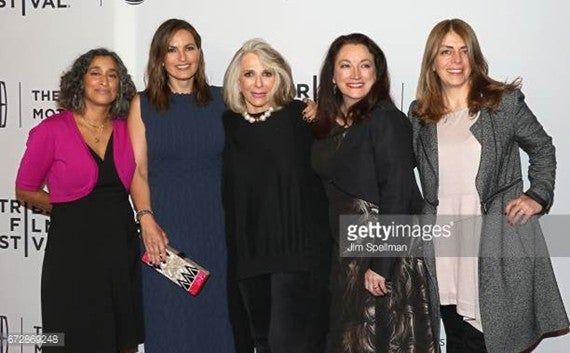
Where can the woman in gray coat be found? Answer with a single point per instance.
(500, 296)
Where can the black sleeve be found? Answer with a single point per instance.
(394, 163)
(391, 137)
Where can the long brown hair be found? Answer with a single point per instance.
(157, 88)
(484, 92)
(330, 99)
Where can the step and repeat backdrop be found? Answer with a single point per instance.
(40, 38)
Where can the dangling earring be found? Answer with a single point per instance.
(76, 99)
(334, 89)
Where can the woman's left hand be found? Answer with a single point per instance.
(519, 210)
(375, 284)
(310, 111)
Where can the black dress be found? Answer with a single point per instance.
(91, 286)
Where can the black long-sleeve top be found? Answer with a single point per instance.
(372, 161)
(276, 208)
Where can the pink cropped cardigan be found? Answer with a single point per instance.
(57, 155)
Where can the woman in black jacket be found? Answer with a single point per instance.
(365, 159)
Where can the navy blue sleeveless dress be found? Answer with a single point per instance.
(185, 147)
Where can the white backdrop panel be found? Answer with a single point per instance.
(40, 38)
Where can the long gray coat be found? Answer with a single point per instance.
(519, 297)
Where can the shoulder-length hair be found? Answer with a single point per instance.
(484, 92)
(71, 87)
(283, 90)
(330, 99)
(157, 88)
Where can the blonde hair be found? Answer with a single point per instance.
(283, 90)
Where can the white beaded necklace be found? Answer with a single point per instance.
(260, 118)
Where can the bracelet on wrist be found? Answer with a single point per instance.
(142, 213)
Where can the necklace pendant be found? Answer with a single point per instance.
(97, 140)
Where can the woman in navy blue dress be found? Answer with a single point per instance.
(178, 138)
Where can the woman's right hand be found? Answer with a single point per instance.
(38, 199)
(154, 240)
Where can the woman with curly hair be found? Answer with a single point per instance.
(91, 275)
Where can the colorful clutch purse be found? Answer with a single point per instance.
(181, 270)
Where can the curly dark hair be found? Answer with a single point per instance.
(71, 87)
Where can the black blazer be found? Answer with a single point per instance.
(375, 163)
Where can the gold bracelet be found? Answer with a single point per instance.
(141, 213)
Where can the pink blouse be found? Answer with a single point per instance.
(57, 155)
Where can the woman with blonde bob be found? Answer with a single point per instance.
(283, 90)
(275, 207)
(501, 296)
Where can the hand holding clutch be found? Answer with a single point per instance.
(181, 270)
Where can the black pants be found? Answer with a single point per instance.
(240, 323)
(287, 311)
(461, 337)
